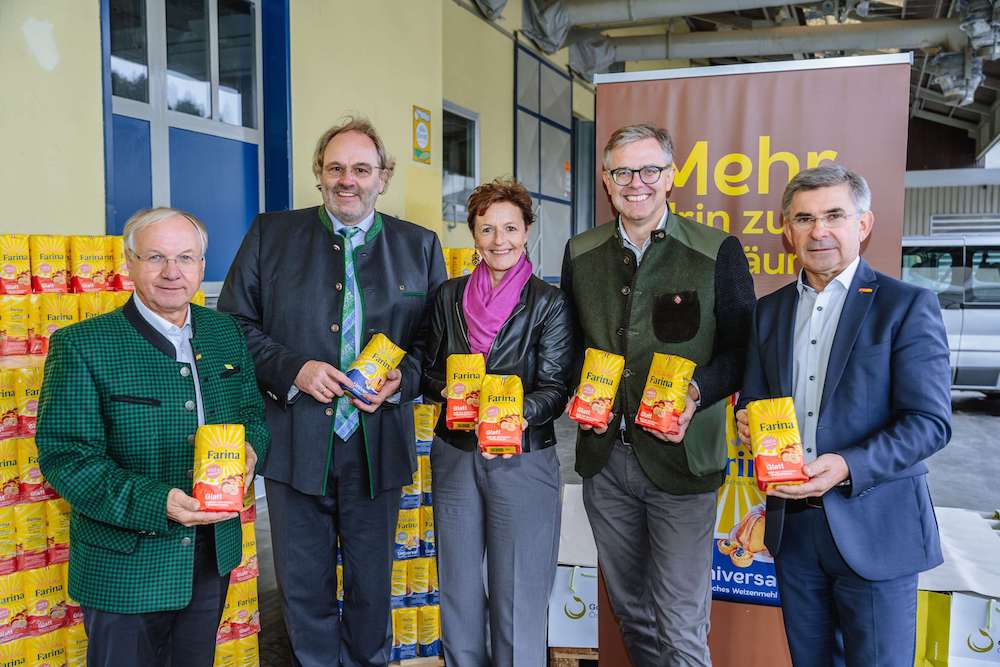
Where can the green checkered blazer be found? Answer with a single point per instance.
(116, 427)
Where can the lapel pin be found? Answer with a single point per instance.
(197, 357)
(865, 290)
(228, 367)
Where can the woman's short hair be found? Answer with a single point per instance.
(496, 191)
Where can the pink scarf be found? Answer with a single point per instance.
(486, 307)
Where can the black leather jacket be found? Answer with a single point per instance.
(535, 343)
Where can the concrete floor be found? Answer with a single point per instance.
(964, 474)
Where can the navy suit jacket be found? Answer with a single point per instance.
(886, 406)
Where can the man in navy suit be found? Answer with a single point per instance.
(865, 359)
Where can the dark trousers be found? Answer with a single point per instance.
(833, 617)
(304, 530)
(181, 638)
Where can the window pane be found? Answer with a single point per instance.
(237, 63)
(938, 269)
(459, 163)
(985, 275)
(189, 87)
(129, 65)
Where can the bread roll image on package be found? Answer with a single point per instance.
(501, 404)
(775, 442)
(595, 395)
(220, 464)
(664, 397)
(464, 374)
(369, 371)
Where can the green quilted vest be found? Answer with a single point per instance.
(665, 305)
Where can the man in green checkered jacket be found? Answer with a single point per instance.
(122, 398)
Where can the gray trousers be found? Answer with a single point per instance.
(655, 550)
(509, 511)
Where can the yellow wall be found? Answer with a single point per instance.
(375, 58)
(51, 125)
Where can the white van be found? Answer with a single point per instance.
(964, 271)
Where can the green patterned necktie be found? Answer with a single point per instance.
(346, 420)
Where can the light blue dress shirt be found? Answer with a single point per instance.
(180, 338)
(816, 320)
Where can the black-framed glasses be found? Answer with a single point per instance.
(649, 174)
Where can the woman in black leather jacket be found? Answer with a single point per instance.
(506, 508)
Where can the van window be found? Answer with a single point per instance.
(937, 268)
(985, 283)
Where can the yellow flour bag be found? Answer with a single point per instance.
(226, 654)
(426, 479)
(55, 311)
(427, 541)
(464, 374)
(89, 263)
(247, 569)
(74, 614)
(775, 442)
(119, 265)
(10, 473)
(500, 415)
(595, 395)
(47, 650)
(49, 263)
(461, 261)
(404, 633)
(34, 488)
(13, 609)
(76, 645)
(12, 653)
(664, 397)
(198, 299)
(417, 581)
(408, 534)
(57, 531)
(398, 585)
(45, 599)
(424, 418)
(27, 387)
(30, 532)
(248, 651)
(15, 264)
(9, 426)
(368, 372)
(92, 304)
(8, 540)
(15, 324)
(429, 631)
(220, 466)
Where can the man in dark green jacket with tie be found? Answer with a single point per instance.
(122, 398)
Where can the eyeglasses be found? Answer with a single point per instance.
(831, 220)
(158, 261)
(359, 171)
(649, 174)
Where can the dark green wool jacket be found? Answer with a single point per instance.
(116, 424)
(692, 296)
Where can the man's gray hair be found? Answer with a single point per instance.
(632, 133)
(145, 217)
(828, 176)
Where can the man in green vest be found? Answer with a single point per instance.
(652, 281)
(122, 398)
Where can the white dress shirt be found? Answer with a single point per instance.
(180, 338)
(816, 320)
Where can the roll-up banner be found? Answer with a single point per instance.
(740, 133)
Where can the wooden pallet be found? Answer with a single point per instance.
(419, 662)
(572, 657)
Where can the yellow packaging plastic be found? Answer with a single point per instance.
(410, 494)
(433, 589)
(595, 395)
(417, 581)
(92, 304)
(74, 614)
(119, 265)
(57, 531)
(429, 631)
(461, 261)
(464, 375)
(114, 300)
(399, 590)
(30, 532)
(427, 542)
(9, 426)
(34, 488)
(227, 654)
(10, 473)
(245, 618)
(8, 540)
(44, 599)
(55, 311)
(424, 418)
(408, 534)
(15, 264)
(47, 650)
(49, 263)
(76, 645)
(426, 479)
(775, 442)
(500, 415)
(248, 651)
(368, 372)
(664, 397)
(15, 324)
(404, 633)
(89, 263)
(220, 466)
(12, 653)
(198, 299)
(247, 569)
(13, 609)
(27, 387)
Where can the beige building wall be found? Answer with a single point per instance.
(51, 117)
